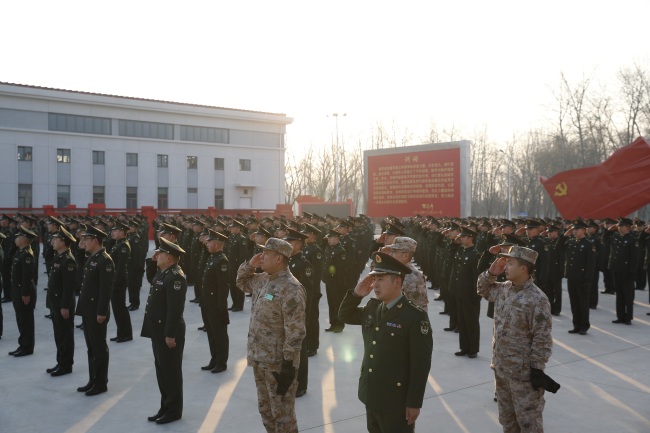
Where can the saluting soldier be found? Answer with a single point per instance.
(94, 308)
(237, 253)
(61, 286)
(623, 258)
(314, 255)
(277, 328)
(163, 323)
(121, 256)
(334, 277)
(215, 287)
(397, 347)
(304, 272)
(23, 290)
(579, 268)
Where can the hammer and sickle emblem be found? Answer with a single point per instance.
(561, 189)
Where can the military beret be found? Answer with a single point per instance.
(170, 248)
(65, 235)
(383, 264)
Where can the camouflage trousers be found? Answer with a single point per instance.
(278, 412)
(520, 406)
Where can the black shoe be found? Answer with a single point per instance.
(618, 321)
(166, 419)
(48, 316)
(201, 328)
(312, 353)
(23, 353)
(114, 338)
(647, 314)
(219, 369)
(448, 329)
(80, 326)
(593, 308)
(13, 352)
(234, 309)
(155, 417)
(555, 314)
(124, 339)
(439, 298)
(338, 329)
(583, 332)
(61, 371)
(96, 390)
(195, 300)
(300, 393)
(472, 355)
(330, 329)
(248, 295)
(5, 300)
(461, 353)
(207, 367)
(627, 322)
(87, 387)
(133, 307)
(442, 312)
(573, 331)
(53, 369)
(606, 292)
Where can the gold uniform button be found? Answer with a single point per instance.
(399, 384)
(377, 328)
(370, 370)
(372, 356)
(392, 335)
(374, 342)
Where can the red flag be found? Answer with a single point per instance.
(617, 187)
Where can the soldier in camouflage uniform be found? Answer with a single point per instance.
(277, 328)
(414, 287)
(522, 341)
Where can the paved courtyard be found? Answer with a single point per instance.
(605, 378)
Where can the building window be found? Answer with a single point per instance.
(24, 153)
(218, 164)
(63, 156)
(162, 160)
(192, 162)
(132, 197)
(98, 157)
(163, 199)
(203, 134)
(244, 165)
(98, 194)
(131, 159)
(24, 195)
(218, 198)
(62, 196)
(132, 128)
(79, 124)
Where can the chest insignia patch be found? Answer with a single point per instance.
(177, 285)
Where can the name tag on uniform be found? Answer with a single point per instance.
(268, 296)
(394, 325)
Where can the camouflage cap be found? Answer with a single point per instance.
(403, 243)
(279, 246)
(522, 253)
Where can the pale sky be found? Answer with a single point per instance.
(463, 63)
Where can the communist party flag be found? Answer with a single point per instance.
(617, 187)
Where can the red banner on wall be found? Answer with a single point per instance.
(409, 183)
(617, 187)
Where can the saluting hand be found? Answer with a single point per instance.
(364, 287)
(498, 266)
(256, 260)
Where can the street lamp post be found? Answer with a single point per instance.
(336, 157)
(509, 196)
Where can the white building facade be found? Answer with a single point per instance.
(65, 148)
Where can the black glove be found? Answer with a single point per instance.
(536, 378)
(285, 377)
(539, 378)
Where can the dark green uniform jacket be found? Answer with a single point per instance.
(397, 352)
(163, 316)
